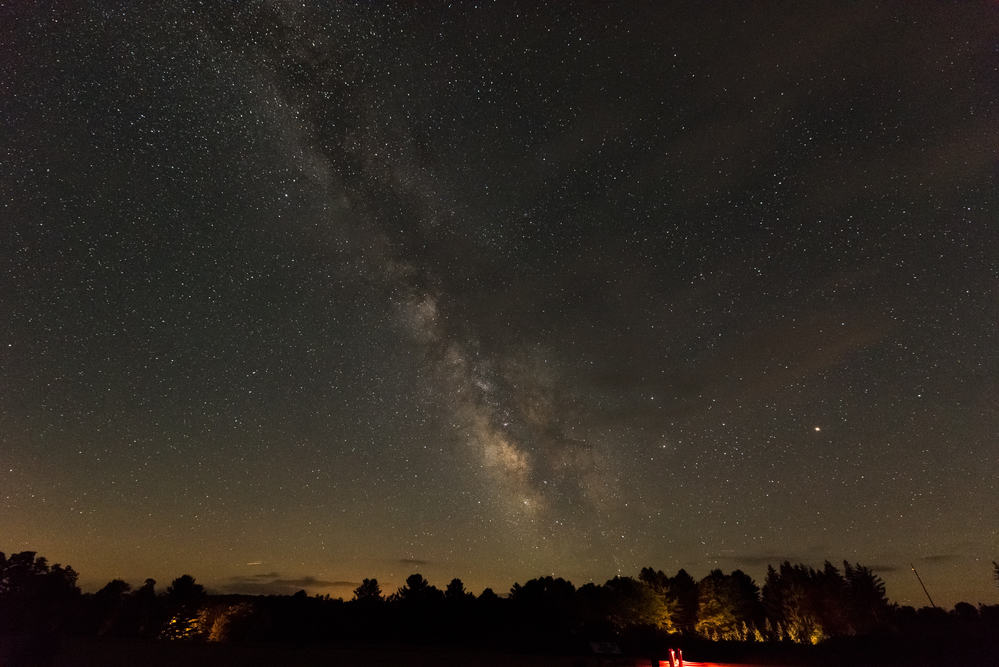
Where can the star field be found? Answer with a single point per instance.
(297, 294)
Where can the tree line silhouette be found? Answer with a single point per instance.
(796, 604)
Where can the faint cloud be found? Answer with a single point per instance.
(941, 558)
(273, 583)
(414, 561)
(759, 560)
(884, 568)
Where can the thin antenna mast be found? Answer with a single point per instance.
(920, 580)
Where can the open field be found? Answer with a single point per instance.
(75, 652)
(118, 653)
(163, 654)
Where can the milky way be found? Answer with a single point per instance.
(501, 404)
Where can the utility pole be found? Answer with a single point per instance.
(920, 580)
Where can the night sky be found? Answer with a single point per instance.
(294, 294)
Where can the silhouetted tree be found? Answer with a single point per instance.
(418, 591)
(369, 591)
(654, 579)
(544, 592)
(489, 618)
(748, 606)
(866, 602)
(459, 611)
(790, 608)
(545, 609)
(806, 606)
(966, 612)
(184, 598)
(37, 603)
(418, 605)
(368, 610)
(995, 571)
(184, 592)
(828, 590)
(592, 605)
(148, 587)
(728, 606)
(683, 597)
(455, 592)
(114, 590)
(35, 596)
(633, 603)
(145, 611)
(659, 583)
(109, 606)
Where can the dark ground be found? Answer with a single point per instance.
(77, 652)
(91, 653)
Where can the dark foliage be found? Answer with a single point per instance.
(846, 610)
(805, 605)
(368, 592)
(38, 601)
